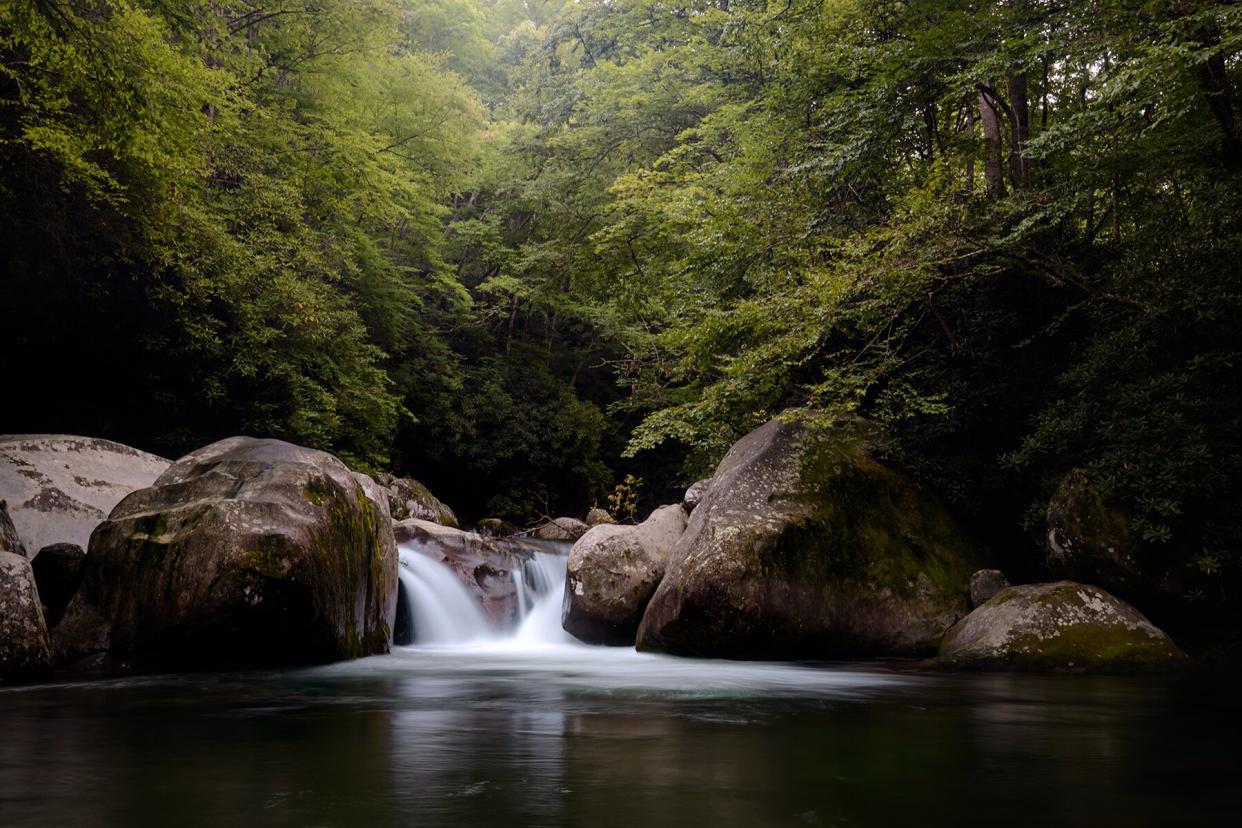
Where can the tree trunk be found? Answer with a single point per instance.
(1214, 82)
(1019, 130)
(993, 148)
(970, 132)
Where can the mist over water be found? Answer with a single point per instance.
(477, 724)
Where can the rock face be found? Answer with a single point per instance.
(597, 516)
(1092, 542)
(9, 541)
(407, 498)
(562, 529)
(694, 494)
(613, 572)
(804, 546)
(60, 487)
(24, 651)
(984, 584)
(58, 574)
(1057, 627)
(484, 564)
(244, 553)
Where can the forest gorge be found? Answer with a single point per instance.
(523, 250)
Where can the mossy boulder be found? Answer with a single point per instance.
(984, 584)
(597, 516)
(1058, 627)
(806, 546)
(613, 572)
(1093, 541)
(246, 552)
(407, 498)
(496, 528)
(24, 649)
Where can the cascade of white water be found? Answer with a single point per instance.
(443, 610)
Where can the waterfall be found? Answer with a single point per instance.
(442, 611)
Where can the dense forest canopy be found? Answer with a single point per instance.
(523, 249)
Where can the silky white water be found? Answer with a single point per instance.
(445, 613)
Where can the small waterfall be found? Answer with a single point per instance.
(441, 610)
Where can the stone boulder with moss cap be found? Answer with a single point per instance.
(1058, 627)
(407, 498)
(613, 571)
(807, 546)
(247, 552)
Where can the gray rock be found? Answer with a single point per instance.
(246, 552)
(1094, 542)
(613, 572)
(597, 516)
(24, 651)
(58, 574)
(694, 494)
(1058, 627)
(60, 487)
(9, 541)
(805, 546)
(984, 584)
(407, 498)
(562, 529)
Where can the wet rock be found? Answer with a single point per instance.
(246, 552)
(694, 494)
(984, 584)
(60, 487)
(613, 572)
(597, 516)
(24, 649)
(806, 546)
(407, 498)
(1062, 626)
(1094, 542)
(58, 574)
(562, 529)
(9, 541)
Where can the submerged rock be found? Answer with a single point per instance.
(60, 487)
(246, 552)
(613, 572)
(562, 529)
(1057, 627)
(58, 574)
(694, 494)
(984, 584)
(805, 546)
(407, 498)
(24, 649)
(597, 516)
(484, 564)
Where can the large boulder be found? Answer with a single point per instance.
(1092, 541)
(597, 516)
(247, 552)
(58, 574)
(984, 584)
(806, 546)
(694, 494)
(407, 498)
(60, 487)
(24, 650)
(9, 541)
(484, 564)
(562, 529)
(1061, 626)
(613, 572)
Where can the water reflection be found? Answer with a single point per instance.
(562, 737)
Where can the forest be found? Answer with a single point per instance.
(530, 251)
